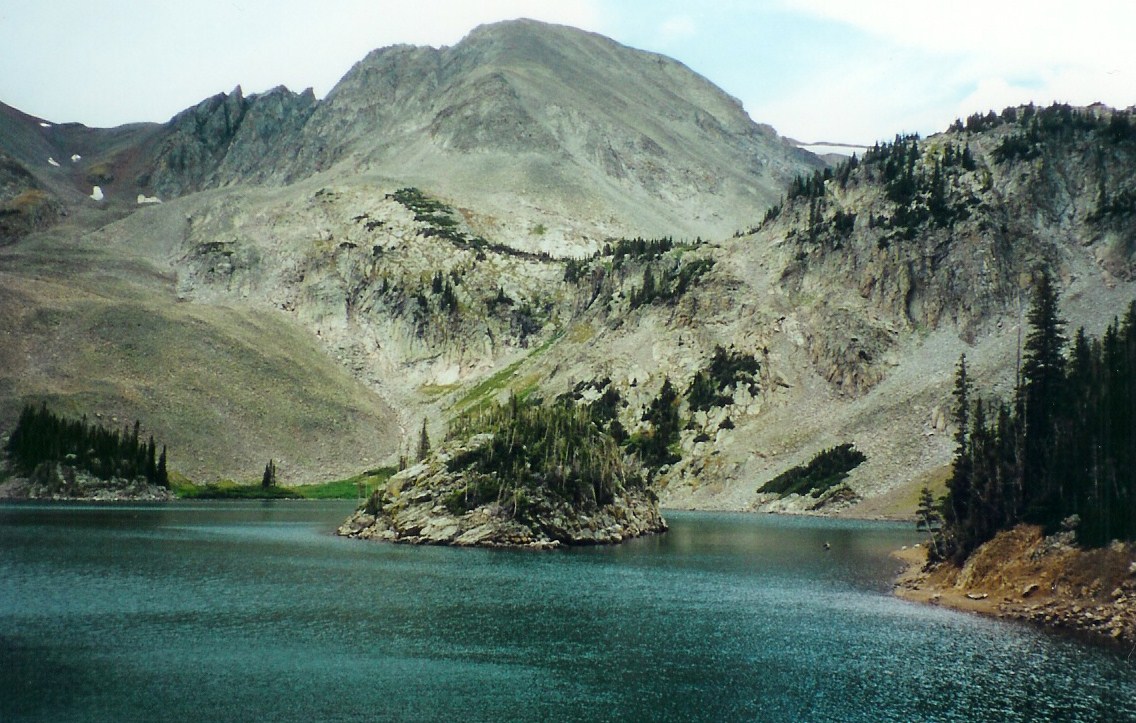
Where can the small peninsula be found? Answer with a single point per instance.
(1023, 574)
(1038, 521)
(520, 474)
(48, 456)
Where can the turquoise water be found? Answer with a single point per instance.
(255, 611)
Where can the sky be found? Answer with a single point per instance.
(852, 71)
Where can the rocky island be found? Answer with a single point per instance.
(517, 475)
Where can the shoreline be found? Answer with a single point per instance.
(1021, 575)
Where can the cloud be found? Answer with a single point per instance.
(1048, 30)
(918, 65)
(993, 94)
(862, 101)
(677, 27)
(1087, 41)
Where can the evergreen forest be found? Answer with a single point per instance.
(560, 448)
(40, 437)
(1061, 453)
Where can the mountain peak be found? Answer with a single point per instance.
(565, 117)
(600, 139)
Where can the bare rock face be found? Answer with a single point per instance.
(226, 139)
(417, 507)
(956, 239)
(526, 122)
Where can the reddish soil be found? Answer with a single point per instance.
(1023, 575)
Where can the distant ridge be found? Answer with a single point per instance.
(596, 139)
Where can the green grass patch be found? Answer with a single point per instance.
(486, 389)
(357, 487)
(229, 490)
(581, 332)
(434, 391)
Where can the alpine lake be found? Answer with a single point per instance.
(255, 610)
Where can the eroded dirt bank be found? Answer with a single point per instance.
(1023, 575)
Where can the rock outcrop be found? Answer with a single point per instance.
(229, 138)
(61, 482)
(525, 122)
(417, 506)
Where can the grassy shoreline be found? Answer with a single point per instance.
(358, 487)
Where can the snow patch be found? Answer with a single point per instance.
(53, 162)
(836, 149)
(97, 193)
(76, 158)
(144, 199)
(44, 125)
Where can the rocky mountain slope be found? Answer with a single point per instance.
(343, 294)
(556, 138)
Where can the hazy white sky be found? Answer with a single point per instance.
(841, 70)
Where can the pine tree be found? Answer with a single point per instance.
(662, 415)
(151, 462)
(928, 518)
(269, 478)
(647, 293)
(423, 443)
(163, 472)
(959, 486)
(1039, 399)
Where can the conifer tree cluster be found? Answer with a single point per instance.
(559, 448)
(825, 470)
(268, 479)
(42, 437)
(656, 445)
(727, 368)
(921, 182)
(1060, 122)
(667, 282)
(919, 186)
(604, 410)
(1065, 446)
(638, 249)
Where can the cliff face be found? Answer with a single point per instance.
(951, 231)
(228, 139)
